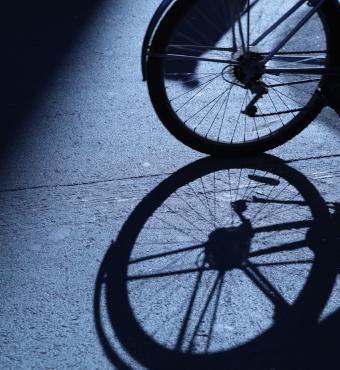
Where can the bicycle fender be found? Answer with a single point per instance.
(162, 8)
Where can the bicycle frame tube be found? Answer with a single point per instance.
(278, 22)
(302, 22)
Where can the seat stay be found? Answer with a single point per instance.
(278, 23)
(300, 24)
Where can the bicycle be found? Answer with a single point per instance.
(226, 78)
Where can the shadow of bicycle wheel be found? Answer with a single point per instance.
(225, 264)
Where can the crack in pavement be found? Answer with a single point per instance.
(94, 182)
(75, 184)
(312, 158)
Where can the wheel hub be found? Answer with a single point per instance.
(227, 249)
(248, 71)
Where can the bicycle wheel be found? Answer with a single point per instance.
(203, 72)
(190, 284)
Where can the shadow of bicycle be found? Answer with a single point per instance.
(225, 264)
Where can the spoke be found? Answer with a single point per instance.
(204, 203)
(194, 78)
(190, 73)
(196, 51)
(267, 196)
(240, 27)
(278, 22)
(280, 209)
(293, 84)
(215, 215)
(260, 180)
(181, 335)
(218, 112)
(216, 286)
(284, 52)
(205, 106)
(227, 17)
(204, 84)
(321, 61)
(276, 111)
(283, 226)
(288, 109)
(226, 102)
(166, 274)
(278, 249)
(238, 185)
(232, 21)
(303, 71)
(293, 31)
(248, 24)
(265, 286)
(239, 115)
(246, 188)
(166, 254)
(210, 109)
(287, 263)
(178, 215)
(193, 25)
(280, 84)
(256, 129)
(287, 96)
(245, 117)
(199, 214)
(174, 227)
(231, 197)
(279, 112)
(206, 199)
(214, 315)
(172, 56)
(202, 47)
(213, 24)
(266, 123)
(277, 201)
(188, 38)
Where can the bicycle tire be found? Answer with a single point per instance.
(179, 128)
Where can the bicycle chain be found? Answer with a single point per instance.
(276, 113)
(301, 52)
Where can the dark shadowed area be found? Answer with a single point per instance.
(35, 38)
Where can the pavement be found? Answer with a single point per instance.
(88, 151)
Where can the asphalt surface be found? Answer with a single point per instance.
(88, 151)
